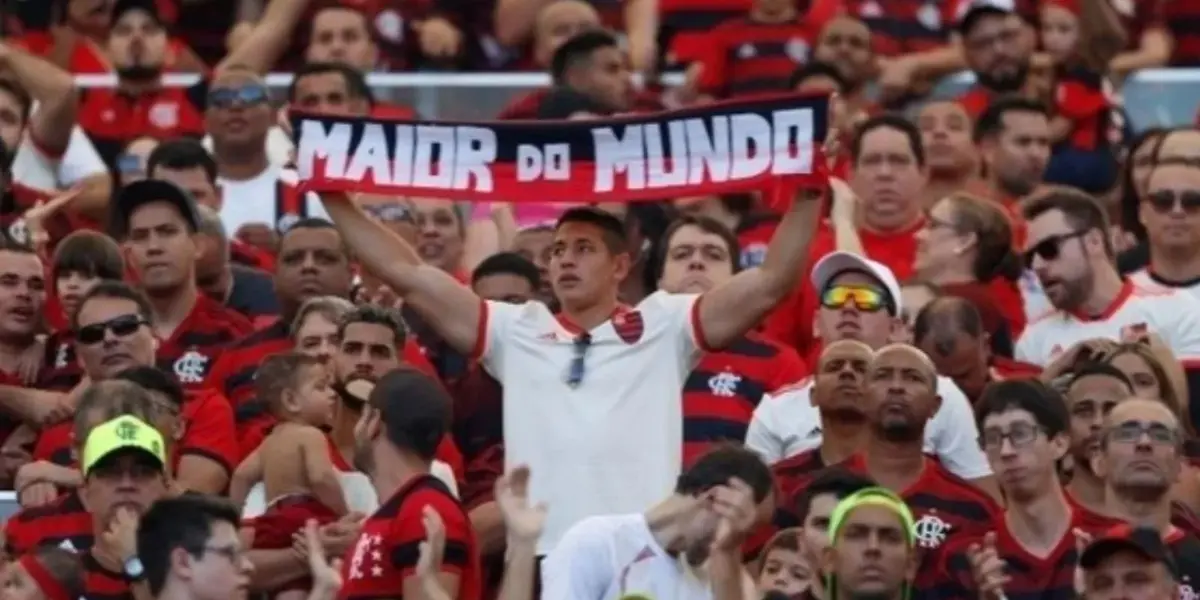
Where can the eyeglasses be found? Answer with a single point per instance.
(1130, 432)
(575, 372)
(1020, 435)
(246, 95)
(122, 326)
(1050, 248)
(1165, 201)
(865, 298)
(233, 553)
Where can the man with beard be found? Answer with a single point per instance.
(860, 300)
(402, 424)
(1024, 427)
(998, 51)
(140, 105)
(1093, 390)
(1013, 135)
(1069, 248)
(901, 398)
(663, 552)
(1140, 456)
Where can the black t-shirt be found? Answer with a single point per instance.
(253, 293)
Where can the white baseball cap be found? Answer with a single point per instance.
(836, 263)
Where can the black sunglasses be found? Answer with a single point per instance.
(1049, 248)
(246, 95)
(1164, 201)
(121, 326)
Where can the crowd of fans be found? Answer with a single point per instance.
(962, 367)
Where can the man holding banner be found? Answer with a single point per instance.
(592, 395)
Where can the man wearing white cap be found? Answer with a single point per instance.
(860, 300)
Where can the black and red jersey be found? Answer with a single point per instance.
(64, 523)
(54, 444)
(99, 583)
(1079, 97)
(1183, 19)
(199, 340)
(232, 373)
(60, 370)
(388, 546)
(722, 391)
(792, 476)
(743, 56)
(209, 430)
(113, 118)
(478, 431)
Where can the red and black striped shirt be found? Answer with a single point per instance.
(387, 548)
(743, 56)
(721, 393)
(100, 583)
(1183, 19)
(1079, 97)
(199, 340)
(64, 523)
(60, 370)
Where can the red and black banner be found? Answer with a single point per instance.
(764, 144)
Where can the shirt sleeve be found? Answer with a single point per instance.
(682, 317)
(210, 432)
(408, 531)
(495, 328)
(581, 566)
(761, 436)
(954, 436)
(80, 161)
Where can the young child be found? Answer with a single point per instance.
(294, 462)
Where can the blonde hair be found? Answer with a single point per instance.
(1172, 383)
(332, 308)
(993, 231)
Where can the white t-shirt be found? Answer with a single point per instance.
(608, 557)
(34, 169)
(1172, 314)
(613, 443)
(1143, 278)
(253, 200)
(786, 423)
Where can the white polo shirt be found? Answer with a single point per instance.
(612, 556)
(1172, 314)
(786, 423)
(613, 443)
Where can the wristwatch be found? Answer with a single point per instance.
(134, 571)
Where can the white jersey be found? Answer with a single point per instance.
(1144, 278)
(609, 557)
(613, 443)
(35, 169)
(1172, 314)
(253, 201)
(786, 423)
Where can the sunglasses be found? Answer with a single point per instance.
(122, 326)
(247, 95)
(1049, 248)
(1165, 201)
(865, 297)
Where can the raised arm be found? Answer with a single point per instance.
(269, 38)
(730, 310)
(53, 88)
(452, 310)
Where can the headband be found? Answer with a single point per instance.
(874, 496)
(51, 588)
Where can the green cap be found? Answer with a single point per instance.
(874, 496)
(122, 433)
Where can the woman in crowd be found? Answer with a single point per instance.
(49, 573)
(315, 328)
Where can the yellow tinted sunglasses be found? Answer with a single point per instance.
(865, 298)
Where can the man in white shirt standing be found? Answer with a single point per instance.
(1069, 249)
(1170, 212)
(687, 546)
(860, 300)
(592, 395)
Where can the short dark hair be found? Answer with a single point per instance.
(185, 521)
(90, 254)
(64, 566)
(611, 227)
(1095, 368)
(278, 373)
(1046, 404)
(579, 48)
(103, 401)
(722, 463)
(831, 480)
(376, 315)
(563, 103)
(156, 380)
(356, 82)
(182, 153)
(705, 224)
(816, 69)
(991, 122)
(889, 121)
(414, 408)
(943, 318)
(118, 290)
(1082, 211)
(508, 263)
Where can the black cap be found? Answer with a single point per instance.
(1139, 540)
(971, 11)
(147, 6)
(151, 190)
